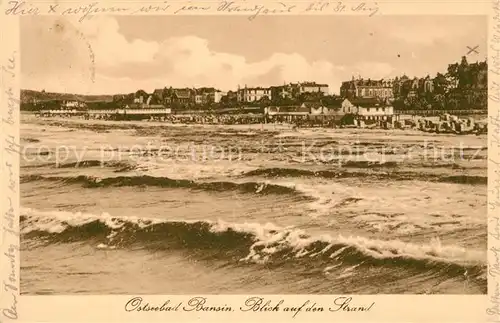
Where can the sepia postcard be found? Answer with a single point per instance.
(233, 160)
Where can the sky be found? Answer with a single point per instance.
(121, 54)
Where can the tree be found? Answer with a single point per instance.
(279, 100)
(441, 84)
(229, 101)
(264, 101)
(439, 101)
(399, 104)
(405, 88)
(328, 99)
(452, 71)
(453, 99)
(118, 98)
(129, 98)
(141, 92)
(464, 74)
(310, 96)
(411, 102)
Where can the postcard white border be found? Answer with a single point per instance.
(388, 308)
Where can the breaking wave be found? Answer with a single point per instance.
(247, 242)
(392, 175)
(122, 181)
(121, 166)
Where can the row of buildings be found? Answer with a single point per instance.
(290, 91)
(386, 88)
(169, 96)
(469, 79)
(463, 87)
(362, 110)
(209, 95)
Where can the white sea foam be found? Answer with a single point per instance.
(239, 133)
(270, 239)
(58, 221)
(193, 170)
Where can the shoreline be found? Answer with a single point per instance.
(269, 127)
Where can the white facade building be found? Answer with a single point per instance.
(218, 96)
(248, 94)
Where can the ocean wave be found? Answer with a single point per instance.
(247, 242)
(369, 164)
(121, 166)
(382, 175)
(29, 140)
(239, 133)
(145, 180)
(299, 172)
(464, 179)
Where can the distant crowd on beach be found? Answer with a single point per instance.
(444, 123)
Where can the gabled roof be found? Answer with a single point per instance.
(255, 88)
(303, 109)
(334, 103)
(158, 94)
(134, 105)
(313, 84)
(183, 93)
(294, 108)
(366, 102)
(311, 105)
(288, 108)
(331, 107)
(367, 82)
(202, 90)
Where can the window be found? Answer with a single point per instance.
(367, 109)
(377, 109)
